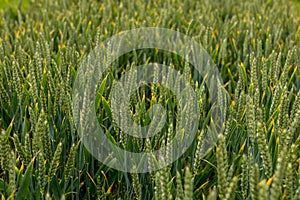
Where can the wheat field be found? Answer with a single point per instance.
(255, 46)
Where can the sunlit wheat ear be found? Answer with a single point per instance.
(230, 173)
(294, 124)
(251, 125)
(213, 195)
(230, 193)
(287, 65)
(289, 181)
(229, 123)
(272, 71)
(277, 68)
(264, 150)
(38, 61)
(240, 106)
(254, 179)
(187, 69)
(256, 103)
(199, 151)
(282, 121)
(222, 99)
(48, 197)
(222, 166)
(254, 72)
(263, 190)
(295, 107)
(276, 186)
(275, 100)
(264, 75)
(46, 49)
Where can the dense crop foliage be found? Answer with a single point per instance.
(256, 46)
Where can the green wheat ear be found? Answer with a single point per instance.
(222, 166)
(264, 78)
(27, 149)
(254, 179)
(162, 188)
(188, 184)
(264, 150)
(137, 188)
(55, 162)
(11, 172)
(254, 71)
(297, 193)
(5, 151)
(42, 173)
(3, 93)
(2, 150)
(19, 148)
(245, 176)
(280, 170)
(263, 190)
(289, 181)
(70, 163)
(213, 194)
(157, 188)
(179, 187)
(199, 151)
(251, 122)
(230, 193)
(48, 197)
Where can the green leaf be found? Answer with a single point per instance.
(24, 192)
(55, 188)
(100, 93)
(107, 108)
(110, 137)
(1, 184)
(8, 130)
